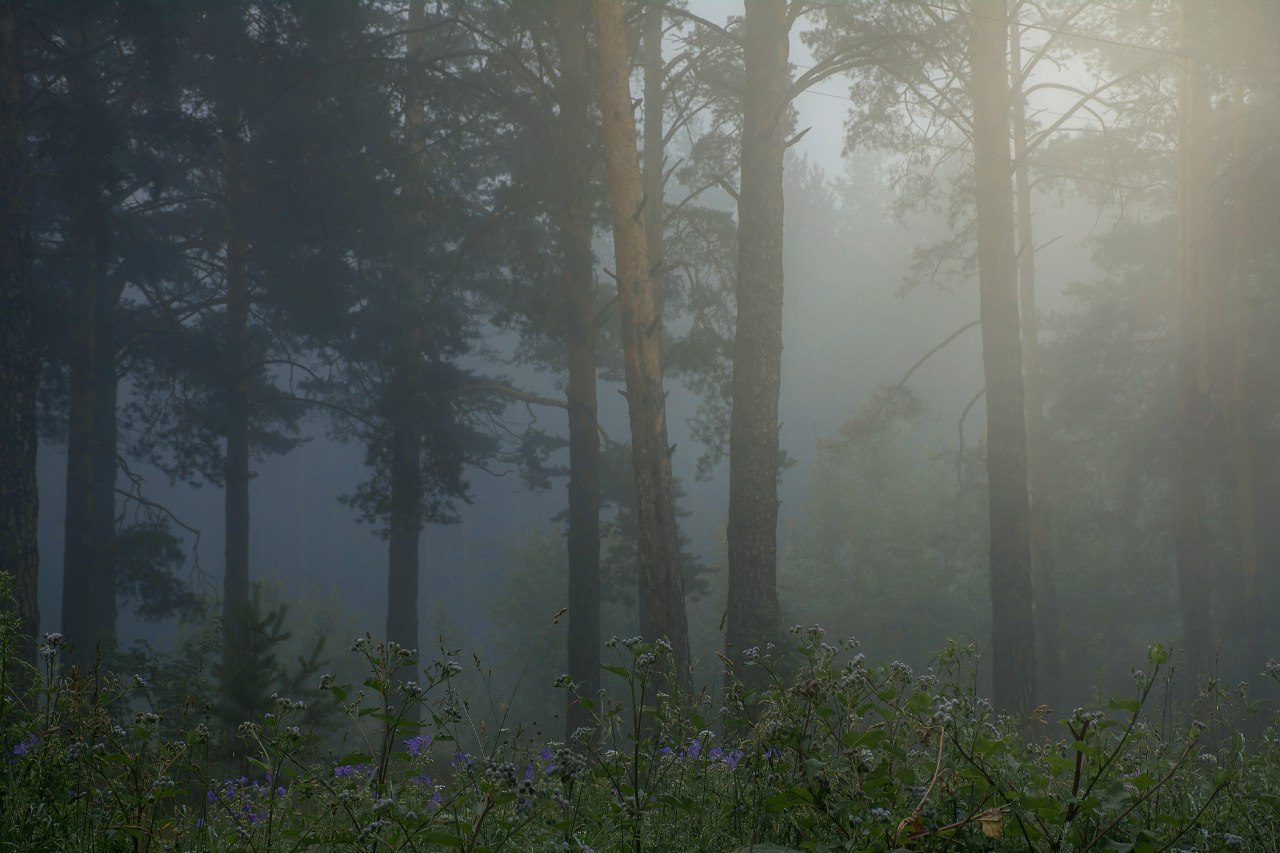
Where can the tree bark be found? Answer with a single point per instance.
(1044, 589)
(653, 157)
(1242, 439)
(1013, 631)
(235, 583)
(652, 161)
(88, 585)
(754, 454)
(578, 285)
(19, 366)
(405, 411)
(663, 611)
(102, 519)
(1193, 375)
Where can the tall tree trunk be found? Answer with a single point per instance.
(663, 613)
(102, 519)
(235, 582)
(578, 283)
(77, 594)
(1242, 440)
(88, 589)
(88, 579)
(19, 366)
(1044, 589)
(754, 454)
(405, 412)
(652, 161)
(1012, 630)
(1193, 375)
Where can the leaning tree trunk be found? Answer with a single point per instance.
(405, 410)
(1044, 589)
(754, 454)
(19, 366)
(663, 613)
(578, 284)
(1242, 439)
(1193, 375)
(1012, 625)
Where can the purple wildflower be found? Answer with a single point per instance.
(417, 745)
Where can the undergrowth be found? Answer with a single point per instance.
(836, 754)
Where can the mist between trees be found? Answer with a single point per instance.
(436, 319)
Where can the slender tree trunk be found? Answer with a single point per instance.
(102, 519)
(1044, 589)
(19, 366)
(1242, 440)
(754, 453)
(578, 283)
(1193, 376)
(405, 413)
(663, 613)
(235, 583)
(1013, 630)
(77, 593)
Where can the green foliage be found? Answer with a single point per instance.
(839, 755)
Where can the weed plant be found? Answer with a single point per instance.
(832, 754)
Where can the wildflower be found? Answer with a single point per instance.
(567, 763)
(139, 682)
(501, 773)
(645, 661)
(562, 681)
(412, 690)
(53, 639)
(326, 681)
(350, 771)
(25, 745)
(463, 759)
(417, 745)
(452, 668)
(632, 642)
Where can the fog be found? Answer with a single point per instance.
(857, 516)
